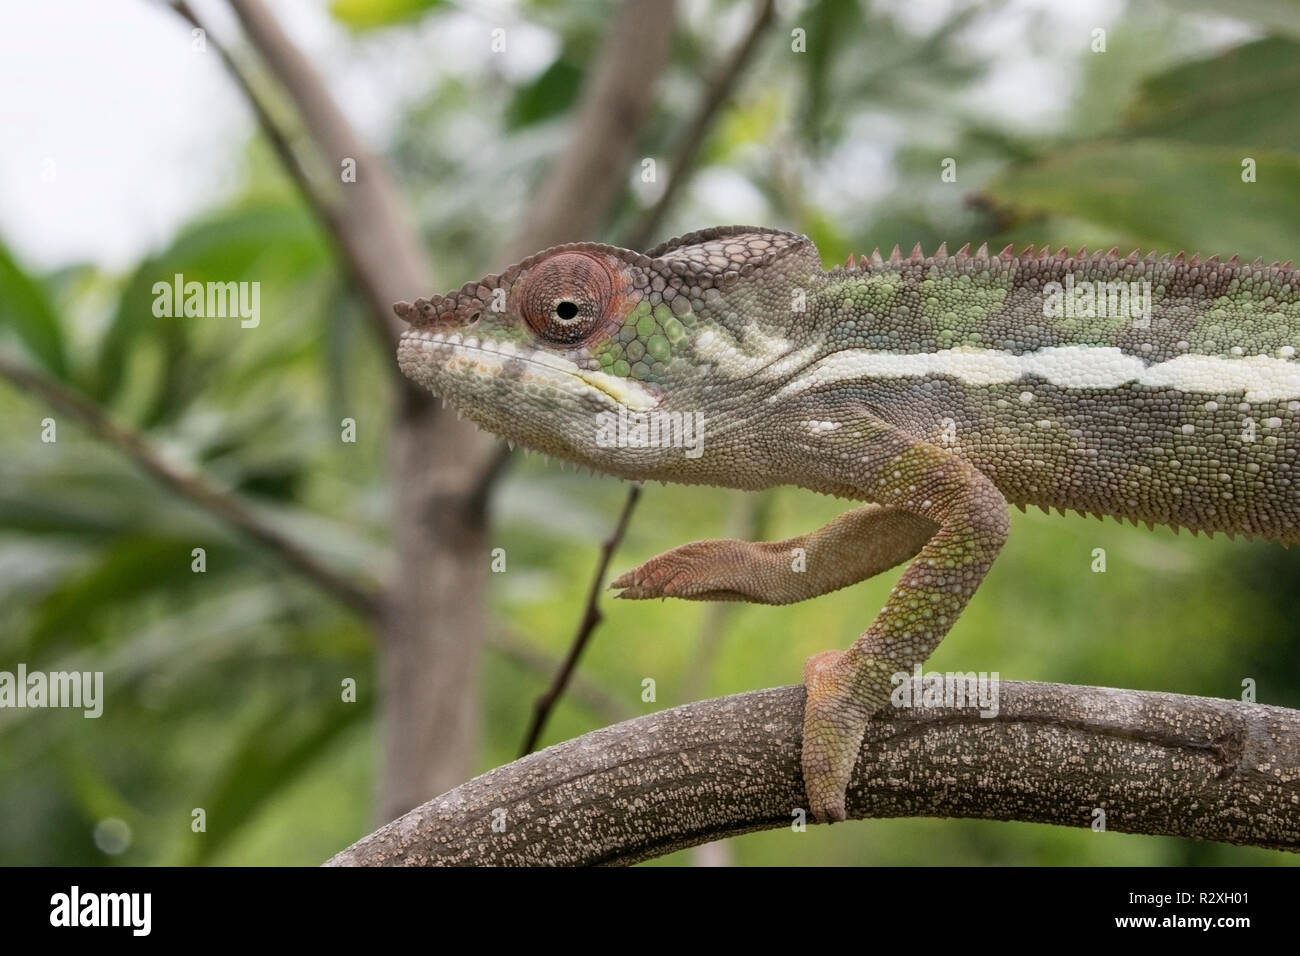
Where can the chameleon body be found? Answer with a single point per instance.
(934, 390)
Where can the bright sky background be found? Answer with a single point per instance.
(139, 131)
(142, 131)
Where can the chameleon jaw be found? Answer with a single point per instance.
(468, 356)
(624, 392)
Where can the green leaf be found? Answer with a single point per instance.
(26, 513)
(830, 24)
(25, 310)
(131, 570)
(235, 245)
(1166, 196)
(372, 14)
(1244, 97)
(553, 92)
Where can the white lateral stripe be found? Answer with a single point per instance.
(1261, 377)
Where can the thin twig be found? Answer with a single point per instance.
(717, 91)
(590, 618)
(720, 87)
(587, 694)
(192, 486)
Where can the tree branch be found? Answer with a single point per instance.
(1155, 763)
(609, 118)
(591, 617)
(383, 250)
(189, 485)
(720, 86)
(329, 211)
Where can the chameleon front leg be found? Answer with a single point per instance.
(844, 688)
(855, 546)
(942, 511)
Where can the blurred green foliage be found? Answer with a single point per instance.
(363, 15)
(224, 688)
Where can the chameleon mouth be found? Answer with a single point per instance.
(459, 354)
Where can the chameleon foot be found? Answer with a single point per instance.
(835, 720)
(699, 571)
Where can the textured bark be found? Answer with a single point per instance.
(435, 620)
(1156, 763)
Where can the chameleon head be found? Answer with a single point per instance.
(600, 355)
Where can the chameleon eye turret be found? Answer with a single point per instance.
(566, 297)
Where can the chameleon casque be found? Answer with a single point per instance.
(936, 390)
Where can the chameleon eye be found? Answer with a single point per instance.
(565, 298)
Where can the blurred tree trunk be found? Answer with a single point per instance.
(434, 620)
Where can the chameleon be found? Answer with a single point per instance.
(934, 392)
